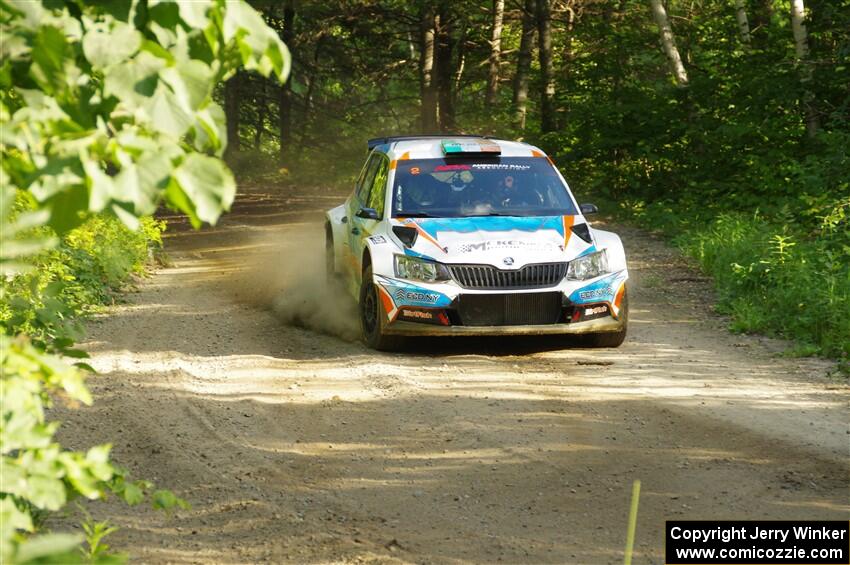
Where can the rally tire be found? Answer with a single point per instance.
(373, 317)
(611, 339)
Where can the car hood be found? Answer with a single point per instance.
(506, 242)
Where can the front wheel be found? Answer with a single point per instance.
(611, 339)
(373, 317)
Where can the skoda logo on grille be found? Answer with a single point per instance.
(508, 261)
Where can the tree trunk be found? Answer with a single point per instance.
(495, 52)
(801, 47)
(232, 92)
(523, 64)
(427, 90)
(260, 126)
(285, 92)
(547, 81)
(743, 22)
(444, 69)
(669, 43)
(461, 61)
(568, 42)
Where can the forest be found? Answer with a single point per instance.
(723, 124)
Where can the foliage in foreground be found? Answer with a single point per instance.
(106, 112)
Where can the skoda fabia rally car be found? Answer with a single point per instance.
(465, 235)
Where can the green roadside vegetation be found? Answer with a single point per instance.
(85, 271)
(106, 113)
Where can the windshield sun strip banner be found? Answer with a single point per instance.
(469, 224)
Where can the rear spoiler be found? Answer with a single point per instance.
(372, 143)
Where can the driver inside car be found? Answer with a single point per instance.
(514, 194)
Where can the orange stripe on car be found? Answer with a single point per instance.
(411, 222)
(405, 157)
(618, 300)
(536, 153)
(568, 232)
(393, 164)
(387, 301)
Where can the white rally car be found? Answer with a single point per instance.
(466, 235)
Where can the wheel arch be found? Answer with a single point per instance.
(334, 228)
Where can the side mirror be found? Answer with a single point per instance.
(368, 214)
(588, 209)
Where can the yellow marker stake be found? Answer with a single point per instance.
(630, 536)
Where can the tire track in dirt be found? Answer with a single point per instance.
(295, 445)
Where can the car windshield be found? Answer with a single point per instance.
(479, 186)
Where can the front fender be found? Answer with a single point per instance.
(616, 253)
(381, 250)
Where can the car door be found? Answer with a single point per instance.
(356, 225)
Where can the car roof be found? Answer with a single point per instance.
(431, 147)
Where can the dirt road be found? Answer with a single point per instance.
(296, 444)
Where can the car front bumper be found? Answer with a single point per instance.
(572, 307)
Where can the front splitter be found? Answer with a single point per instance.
(414, 329)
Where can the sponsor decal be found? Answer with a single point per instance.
(440, 168)
(415, 170)
(504, 244)
(595, 293)
(500, 167)
(402, 295)
(508, 261)
(436, 317)
(423, 314)
(378, 239)
(590, 312)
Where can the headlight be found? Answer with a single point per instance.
(419, 270)
(588, 266)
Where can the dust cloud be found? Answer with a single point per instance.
(287, 275)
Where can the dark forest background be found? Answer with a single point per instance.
(723, 123)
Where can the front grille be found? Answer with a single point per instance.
(539, 275)
(509, 309)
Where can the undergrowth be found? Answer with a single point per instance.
(772, 277)
(76, 278)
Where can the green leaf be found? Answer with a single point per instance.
(208, 184)
(103, 46)
(195, 13)
(45, 492)
(166, 500)
(12, 517)
(49, 50)
(167, 114)
(50, 548)
(132, 494)
(142, 182)
(191, 82)
(135, 81)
